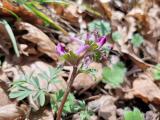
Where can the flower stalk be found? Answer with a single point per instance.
(60, 110)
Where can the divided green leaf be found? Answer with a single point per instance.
(133, 115)
(116, 36)
(137, 40)
(41, 98)
(101, 26)
(30, 85)
(115, 75)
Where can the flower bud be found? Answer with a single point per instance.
(101, 41)
(60, 49)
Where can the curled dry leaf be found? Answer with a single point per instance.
(12, 112)
(20, 11)
(105, 107)
(137, 61)
(70, 13)
(145, 89)
(36, 36)
(85, 80)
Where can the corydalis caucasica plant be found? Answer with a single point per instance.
(74, 58)
(29, 85)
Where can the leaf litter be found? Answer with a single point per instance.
(124, 87)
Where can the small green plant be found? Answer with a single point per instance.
(30, 85)
(137, 40)
(75, 58)
(156, 72)
(133, 115)
(116, 36)
(114, 75)
(71, 105)
(103, 27)
(84, 113)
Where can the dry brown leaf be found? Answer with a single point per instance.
(70, 13)
(4, 98)
(146, 89)
(107, 9)
(137, 61)
(58, 9)
(20, 11)
(105, 107)
(36, 36)
(12, 112)
(84, 80)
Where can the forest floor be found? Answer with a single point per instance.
(79, 60)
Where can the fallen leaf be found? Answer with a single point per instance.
(85, 80)
(70, 13)
(145, 89)
(137, 61)
(12, 112)
(4, 98)
(105, 107)
(36, 36)
(19, 11)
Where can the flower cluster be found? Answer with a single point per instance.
(100, 41)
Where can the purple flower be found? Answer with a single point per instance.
(101, 41)
(60, 49)
(82, 49)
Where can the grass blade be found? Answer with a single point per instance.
(12, 37)
(41, 15)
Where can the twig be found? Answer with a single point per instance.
(60, 110)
